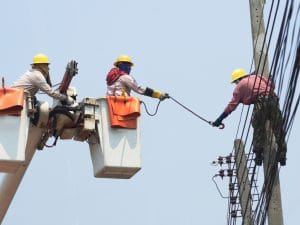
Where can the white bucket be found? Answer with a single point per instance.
(115, 152)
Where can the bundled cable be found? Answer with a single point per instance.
(285, 66)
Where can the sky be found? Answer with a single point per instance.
(185, 48)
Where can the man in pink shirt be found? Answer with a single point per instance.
(255, 89)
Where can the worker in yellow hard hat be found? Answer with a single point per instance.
(38, 78)
(256, 89)
(120, 82)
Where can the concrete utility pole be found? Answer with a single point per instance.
(261, 64)
(243, 182)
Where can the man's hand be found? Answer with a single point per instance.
(163, 96)
(70, 100)
(217, 122)
(156, 94)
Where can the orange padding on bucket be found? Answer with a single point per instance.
(11, 101)
(123, 111)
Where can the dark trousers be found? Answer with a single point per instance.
(267, 108)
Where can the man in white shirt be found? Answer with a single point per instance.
(38, 78)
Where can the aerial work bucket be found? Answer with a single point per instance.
(14, 125)
(115, 148)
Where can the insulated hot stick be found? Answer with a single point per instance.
(200, 117)
(71, 71)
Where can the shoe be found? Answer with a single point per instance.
(282, 161)
(258, 150)
(282, 154)
(282, 158)
(258, 159)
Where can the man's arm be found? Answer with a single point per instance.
(42, 84)
(234, 102)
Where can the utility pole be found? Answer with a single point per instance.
(243, 182)
(275, 216)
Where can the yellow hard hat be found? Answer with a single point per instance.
(40, 58)
(123, 58)
(237, 74)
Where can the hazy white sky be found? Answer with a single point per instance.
(186, 48)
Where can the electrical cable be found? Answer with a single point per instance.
(213, 179)
(277, 68)
(278, 71)
(147, 111)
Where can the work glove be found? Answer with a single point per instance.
(156, 94)
(217, 122)
(163, 96)
(70, 100)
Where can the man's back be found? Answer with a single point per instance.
(30, 81)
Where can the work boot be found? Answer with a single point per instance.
(282, 160)
(258, 159)
(258, 149)
(282, 154)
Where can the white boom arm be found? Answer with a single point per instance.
(11, 181)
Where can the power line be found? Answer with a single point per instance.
(280, 64)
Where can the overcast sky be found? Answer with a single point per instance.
(186, 48)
